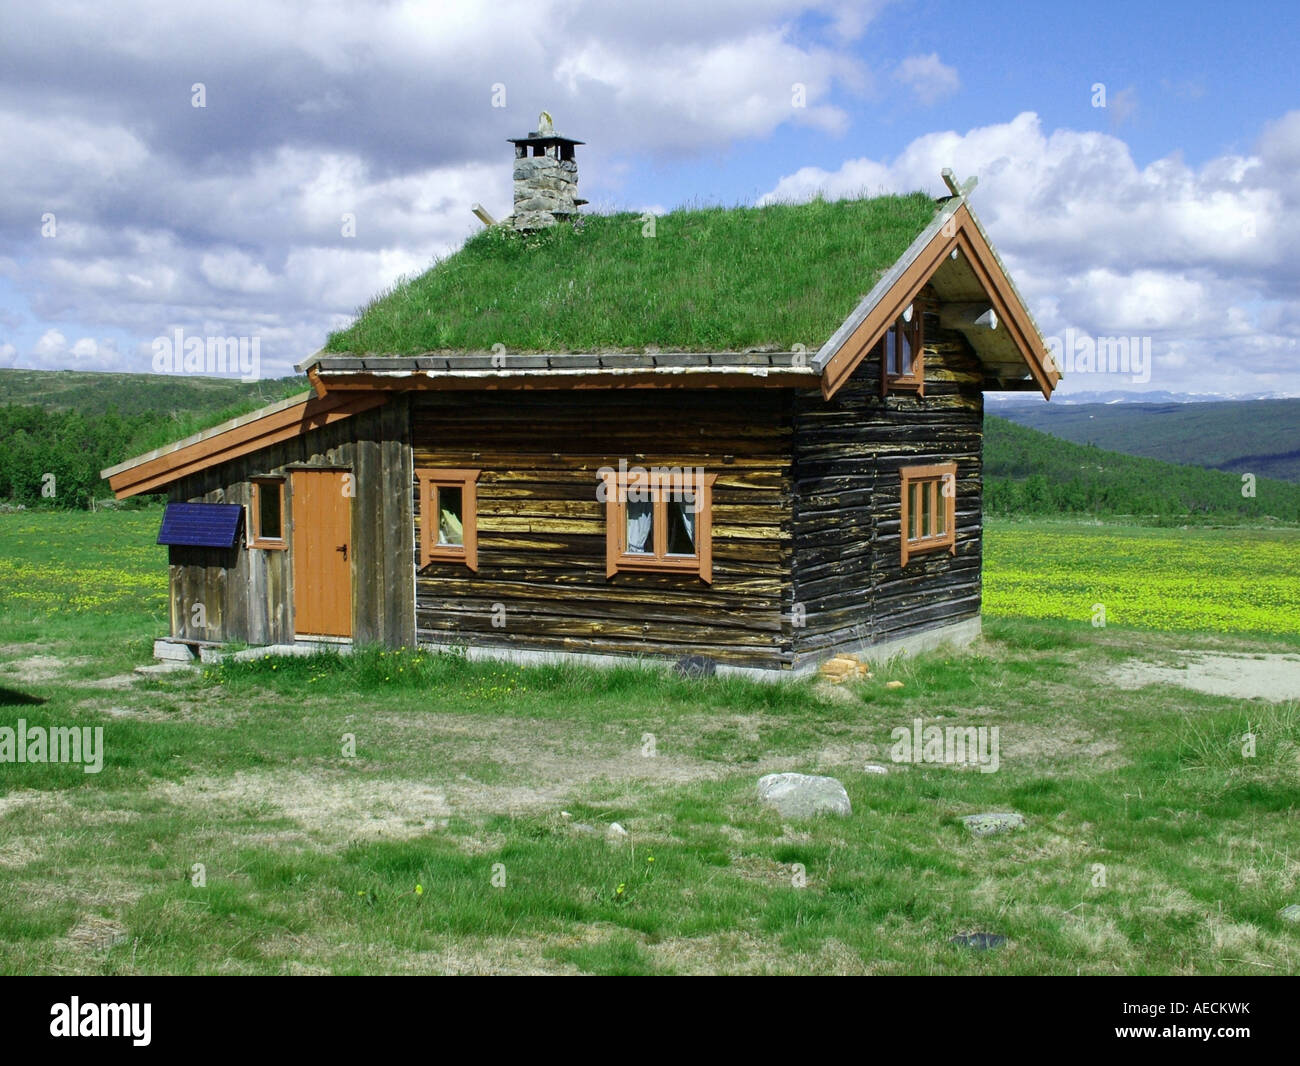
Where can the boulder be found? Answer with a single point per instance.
(979, 941)
(803, 795)
(987, 825)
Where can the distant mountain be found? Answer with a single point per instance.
(73, 423)
(998, 400)
(1260, 437)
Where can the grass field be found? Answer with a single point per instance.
(1151, 844)
(1218, 580)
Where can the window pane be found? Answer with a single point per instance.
(891, 352)
(927, 496)
(940, 510)
(449, 503)
(681, 527)
(904, 351)
(913, 509)
(268, 512)
(640, 528)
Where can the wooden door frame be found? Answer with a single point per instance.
(296, 514)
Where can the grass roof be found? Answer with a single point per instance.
(715, 279)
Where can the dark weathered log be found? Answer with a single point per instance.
(847, 489)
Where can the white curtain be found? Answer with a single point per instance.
(687, 511)
(640, 518)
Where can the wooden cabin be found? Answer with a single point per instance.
(752, 437)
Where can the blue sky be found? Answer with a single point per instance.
(1202, 84)
(1169, 214)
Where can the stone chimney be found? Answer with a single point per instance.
(546, 178)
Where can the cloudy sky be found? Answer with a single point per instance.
(127, 212)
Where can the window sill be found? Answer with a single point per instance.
(650, 565)
(905, 384)
(445, 555)
(269, 545)
(929, 547)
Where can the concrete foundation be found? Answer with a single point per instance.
(955, 635)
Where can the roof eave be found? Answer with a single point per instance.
(241, 436)
(702, 376)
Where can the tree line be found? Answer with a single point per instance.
(52, 458)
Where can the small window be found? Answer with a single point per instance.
(659, 520)
(928, 519)
(267, 514)
(902, 354)
(448, 516)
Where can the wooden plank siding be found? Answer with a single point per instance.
(848, 578)
(541, 527)
(248, 594)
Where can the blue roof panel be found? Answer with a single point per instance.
(201, 525)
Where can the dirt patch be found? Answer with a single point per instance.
(15, 800)
(93, 933)
(545, 762)
(116, 710)
(762, 869)
(1268, 677)
(742, 953)
(330, 805)
(21, 649)
(1063, 743)
(18, 851)
(117, 681)
(37, 668)
(459, 956)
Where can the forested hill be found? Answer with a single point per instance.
(1261, 437)
(74, 424)
(1028, 472)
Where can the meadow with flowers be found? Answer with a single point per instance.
(404, 810)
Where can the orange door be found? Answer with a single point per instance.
(322, 554)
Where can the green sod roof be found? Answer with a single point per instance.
(715, 279)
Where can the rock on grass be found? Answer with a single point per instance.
(987, 825)
(803, 795)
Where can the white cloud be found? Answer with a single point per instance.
(1204, 260)
(52, 351)
(929, 77)
(174, 216)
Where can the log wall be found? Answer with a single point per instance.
(541, 528)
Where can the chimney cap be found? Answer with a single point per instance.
(544, 135)
(543, 139)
